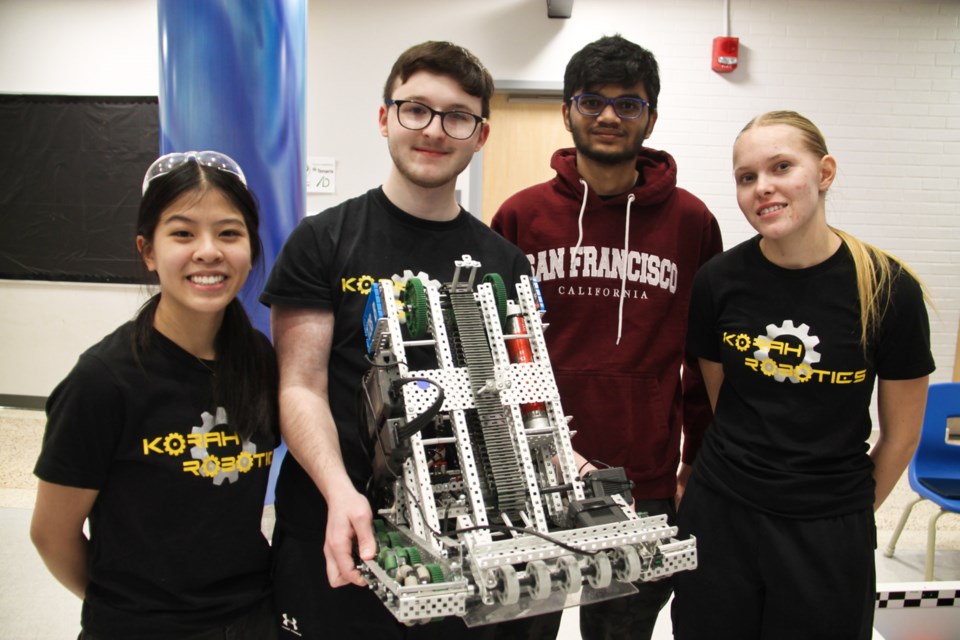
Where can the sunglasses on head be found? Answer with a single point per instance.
(167, 163)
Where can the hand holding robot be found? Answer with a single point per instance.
(481, 508)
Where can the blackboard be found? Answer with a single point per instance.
(70, 174)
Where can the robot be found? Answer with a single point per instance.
(480, 509)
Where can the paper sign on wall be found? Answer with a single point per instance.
(321, 175)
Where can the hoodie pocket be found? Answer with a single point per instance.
(621, 420)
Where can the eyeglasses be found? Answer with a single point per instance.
(167, 163)
(591, 104)
(415, 116)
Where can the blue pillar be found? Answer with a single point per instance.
(232, 77)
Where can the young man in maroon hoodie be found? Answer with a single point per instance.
(615, 245)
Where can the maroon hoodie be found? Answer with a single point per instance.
(616, 337)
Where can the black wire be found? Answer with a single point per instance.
(413, 426)
(446, 516)
(374, 363)
(499, 527)
(533, 532)
(418, 423)
(362, 413)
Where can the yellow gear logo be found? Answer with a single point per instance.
(174, 444)
(802, 371)
(244, 462)
(364, 283)
(768, 367)
(210, 466)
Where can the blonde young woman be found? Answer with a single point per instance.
(162, 434)
(793, 329)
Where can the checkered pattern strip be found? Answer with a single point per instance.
(926, 599)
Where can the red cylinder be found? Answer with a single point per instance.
(534, 413)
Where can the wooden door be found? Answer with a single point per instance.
(524, 133)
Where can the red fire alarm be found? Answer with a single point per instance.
(726, 52)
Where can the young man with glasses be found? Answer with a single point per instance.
(615, 245)
(435, 104)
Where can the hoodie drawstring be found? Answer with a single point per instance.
(626, 261)
(583, 207)
(626, 250)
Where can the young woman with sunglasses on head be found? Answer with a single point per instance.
(793, 329)
(163, 433)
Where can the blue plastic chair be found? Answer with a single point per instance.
(934, 471)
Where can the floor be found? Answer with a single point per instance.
(33, 606)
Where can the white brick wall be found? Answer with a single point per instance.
(881, 78)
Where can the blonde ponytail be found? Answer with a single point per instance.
(876, 271)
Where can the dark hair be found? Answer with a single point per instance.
(245, 372)
(446, 59)
(612, 60)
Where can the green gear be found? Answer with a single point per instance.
(395, 539)
(413, 554)
(499, 295)
(436, 573)
(415, 301)
(383, 541)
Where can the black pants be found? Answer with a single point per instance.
(762, 577)
(632, 617)
(260, 623)
(310, 609)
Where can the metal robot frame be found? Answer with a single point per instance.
(481, 511)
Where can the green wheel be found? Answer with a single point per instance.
(499, 295)
(379, 526)
(395, 539)
(389, 562)
(436, 573)
(413, 554)
(415, 301)
(387, 558)
(383, 541)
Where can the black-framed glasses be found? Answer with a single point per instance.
(415, 116)
(167, 163)
(626, 107)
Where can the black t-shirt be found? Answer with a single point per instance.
(329, 262)
(175, 540)
(793, 413)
